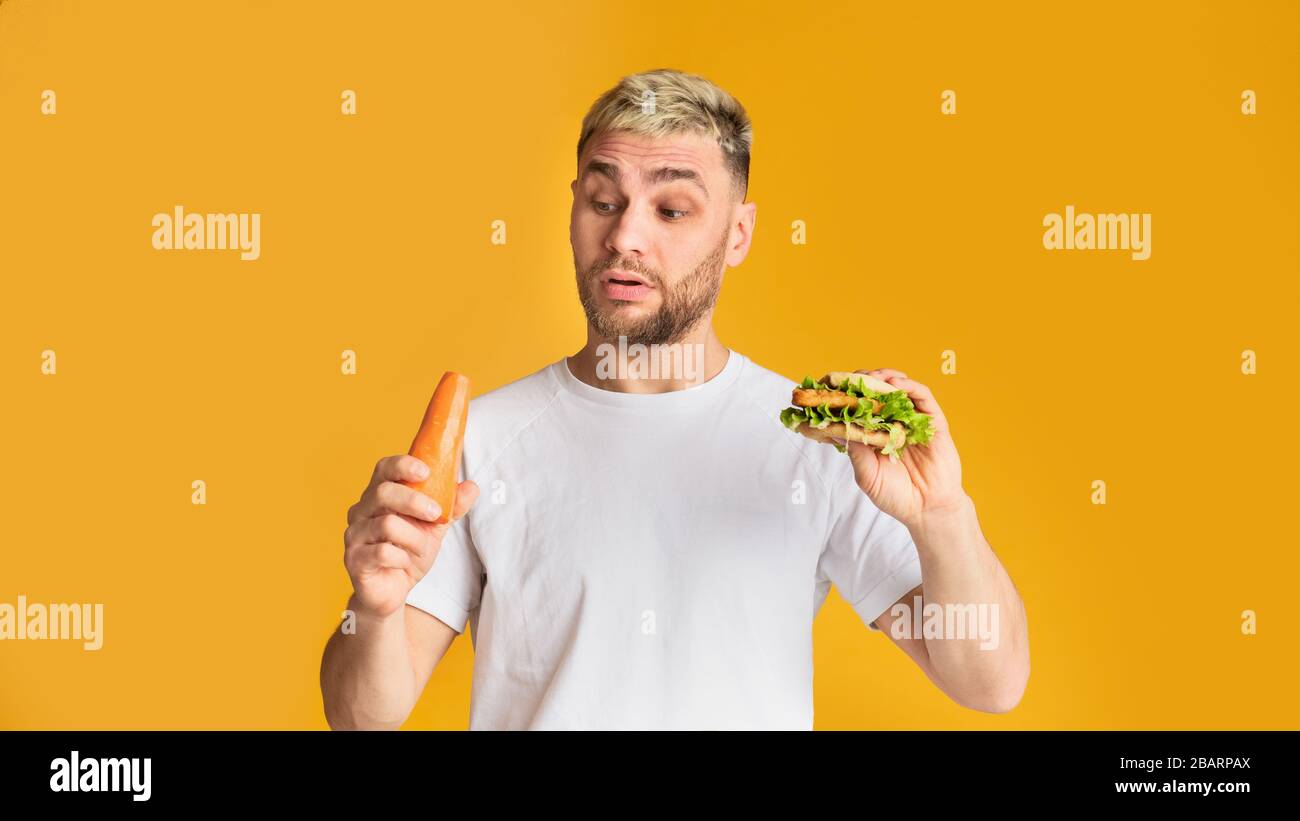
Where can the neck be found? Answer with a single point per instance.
(604, 363)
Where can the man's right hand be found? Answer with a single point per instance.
(391, 539)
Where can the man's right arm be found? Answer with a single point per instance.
(371, 679)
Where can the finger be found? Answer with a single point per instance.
(920, 395)
(396, 468)
(373, 557)
(399, 498)
(400, 467)
(387, 554)
(394, 528)
(883, 373)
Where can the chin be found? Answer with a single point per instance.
(624, 306)
(624, 323)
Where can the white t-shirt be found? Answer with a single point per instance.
(654, 561)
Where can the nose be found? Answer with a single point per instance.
(627, 235)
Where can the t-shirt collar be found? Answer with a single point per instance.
(667, 400)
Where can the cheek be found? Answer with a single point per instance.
(583, 231)
(586, 246)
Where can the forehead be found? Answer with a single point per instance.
(689, 156)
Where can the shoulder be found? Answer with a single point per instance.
(768, 392)
(497, 416)
(767, 384)
(519, 395)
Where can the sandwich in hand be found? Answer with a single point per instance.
(856, 407)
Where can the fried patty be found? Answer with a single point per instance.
(809, 398)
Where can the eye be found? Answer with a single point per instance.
(668, 212)
(597, 204)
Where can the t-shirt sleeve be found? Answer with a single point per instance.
(450, 590)
(869, 555)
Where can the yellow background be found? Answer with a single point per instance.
(924, 234)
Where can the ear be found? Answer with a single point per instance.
(743, 224)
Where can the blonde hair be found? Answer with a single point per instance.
(663, 102)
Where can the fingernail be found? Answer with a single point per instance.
(421, 470)
(434, 509)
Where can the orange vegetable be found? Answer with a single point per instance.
(440, 438)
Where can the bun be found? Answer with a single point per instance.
(855, 433)
(837, 378)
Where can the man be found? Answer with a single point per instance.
(653, 547)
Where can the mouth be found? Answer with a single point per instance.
(622, 278)
(624, 286)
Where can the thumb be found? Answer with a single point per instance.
(864, 459)
(466, 495)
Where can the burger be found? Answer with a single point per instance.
(856, 407)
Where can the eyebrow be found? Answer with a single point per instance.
(654, 176)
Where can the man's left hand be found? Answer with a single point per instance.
(926, 479)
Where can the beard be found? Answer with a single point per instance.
(681, 308)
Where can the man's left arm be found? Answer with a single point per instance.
(976, 645)
(987, 667)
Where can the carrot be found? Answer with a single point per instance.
(439, 440)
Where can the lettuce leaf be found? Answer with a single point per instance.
(896, 406)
